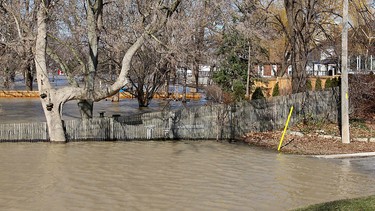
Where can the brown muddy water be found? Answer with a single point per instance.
(184, 175)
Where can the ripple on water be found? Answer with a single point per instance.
(171, 176)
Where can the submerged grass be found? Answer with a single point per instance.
(365, 203)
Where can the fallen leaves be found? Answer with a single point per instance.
(309, 144)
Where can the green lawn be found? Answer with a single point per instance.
(366, 203)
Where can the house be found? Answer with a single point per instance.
(325, 67)
(320, 63)
(204, 75)
(267, 69)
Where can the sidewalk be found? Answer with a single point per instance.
(341, 156)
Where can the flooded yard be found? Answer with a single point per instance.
(184, 175)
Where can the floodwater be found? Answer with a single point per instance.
(204, 175)
(15, 110)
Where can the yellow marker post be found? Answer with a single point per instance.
(286, 126)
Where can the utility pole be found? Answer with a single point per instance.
(345, 137)
(248, 73)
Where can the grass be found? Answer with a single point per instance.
(365, 203)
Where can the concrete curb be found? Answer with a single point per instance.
(340, 156)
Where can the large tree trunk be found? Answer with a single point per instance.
(29, 78)
(49, 99)
(28, 67)
(299, 76)
(196, 73)
(53, 116)
(143, 101)
(94, 14)
(199, 45)
(298, 48)
(167, 84)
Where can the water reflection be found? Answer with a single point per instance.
(171, 176)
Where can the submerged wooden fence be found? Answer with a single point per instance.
(205, 122)
(36, 131)
(156, 126)
(181, 124)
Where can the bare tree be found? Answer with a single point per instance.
(194, 34)
(363, 30)
(148, 73)
(307, 23)
(8, 68)
(54, 99)
(18, 17)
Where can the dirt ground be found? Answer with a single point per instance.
(308, 139)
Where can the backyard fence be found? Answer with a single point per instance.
(205, 122)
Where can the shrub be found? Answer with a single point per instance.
(214, 93)
(239, 90)
(328, 83)
(258, 94)
(318, 84)
(275, 91)
(362, 96)
(336, 82)
(308, 85)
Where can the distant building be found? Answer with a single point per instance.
(204, 75)
(267, 70)
(320, 63)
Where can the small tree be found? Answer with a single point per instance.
(233, 66)
(318, 84)
(275, 91)
(147, 74)
(258, 94)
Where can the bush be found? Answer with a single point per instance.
(318, 84)
(328, 84)
(362, 96)
(308, 85)
(214, 93)
(275, 91)
(239, 90)
(258, 94)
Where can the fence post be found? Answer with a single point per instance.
(111, 129)
(46, 130)
(150, 129)
(232, 112)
